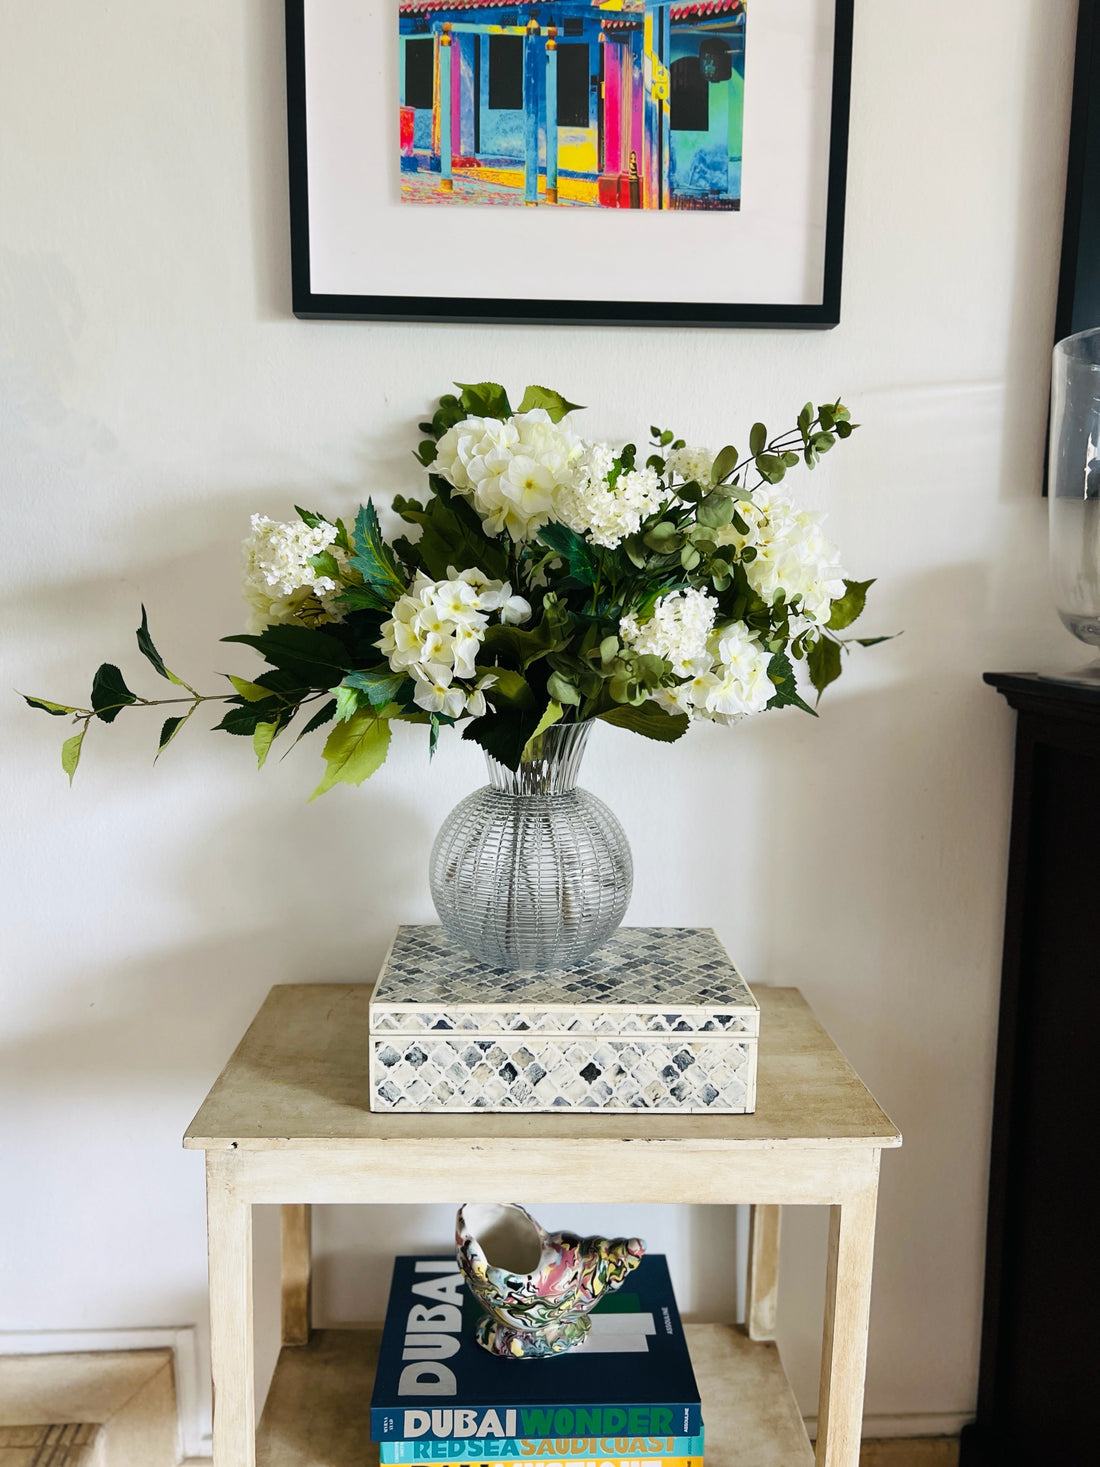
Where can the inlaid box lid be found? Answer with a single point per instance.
(643, 981)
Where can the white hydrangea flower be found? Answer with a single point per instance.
(608, 513)
(691, 464)
(678, 630)
(435, 635)
(738, 683)
(510, 471)
(793, 554)
(278, 582)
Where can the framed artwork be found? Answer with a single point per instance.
(573, 162)
(1078, 307)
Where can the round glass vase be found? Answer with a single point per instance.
(530, 871)
(1074, 486)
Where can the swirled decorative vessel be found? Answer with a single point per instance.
(535, 1287)
(530, 871)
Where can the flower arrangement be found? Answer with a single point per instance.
(553, 579)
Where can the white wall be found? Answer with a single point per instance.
(156, 391)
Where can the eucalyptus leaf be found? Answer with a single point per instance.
(724, 464)
(758, 439)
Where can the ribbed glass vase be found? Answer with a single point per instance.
(530, 871)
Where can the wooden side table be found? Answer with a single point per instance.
(287, 1122)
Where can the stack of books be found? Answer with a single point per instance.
(625, 1398)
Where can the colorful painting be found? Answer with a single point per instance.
(619, 104)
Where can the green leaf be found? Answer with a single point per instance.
(552, 715)
(347, 702)
(381, 684)
(724, 464)
(244, 719)
(484, 399)
(553, 402)
(58, 710)
(361, 598)
(526, 645)
(315, 657)
(650, 720)
(822, 442)
(325, 714)
(562, 690)
(505, 735)
(758, 439)
(354, 750)
(786, 695)
(806, 417)
(110, 693)
(848, 607)
(263, 735)
(452, 535)
(145, 646)
(574, 550)
(251, 692)
(715, 511)
(871, 641)
(823, 660)
(70, 752)
(511, 689)
(771, 466)
(168, 731)
(373, 558)
(310, 517)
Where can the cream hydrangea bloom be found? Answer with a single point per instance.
(793, 554)
(278, 582)
(511, 471)
(435, 636)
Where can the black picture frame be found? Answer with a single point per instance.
(308, 305)
(1078, 305)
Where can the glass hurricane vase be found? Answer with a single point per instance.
(1074, 487)
(530, 871)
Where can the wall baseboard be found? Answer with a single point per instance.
(921, 1424)
(192, 1440)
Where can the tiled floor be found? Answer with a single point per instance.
(62, 1445)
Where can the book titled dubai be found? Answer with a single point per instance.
(434, 1382)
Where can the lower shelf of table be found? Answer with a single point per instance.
(317, 1409)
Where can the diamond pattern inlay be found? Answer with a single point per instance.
(611, 1074)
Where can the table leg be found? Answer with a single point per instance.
(847, 1313)
(296, 1269)
(762, 1290)
(229, 1244)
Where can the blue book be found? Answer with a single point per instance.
(632, 1377)
(540, 1451)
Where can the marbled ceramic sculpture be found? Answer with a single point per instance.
(536, 1287)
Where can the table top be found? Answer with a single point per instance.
(299, 1080)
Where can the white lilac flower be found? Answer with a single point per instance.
(511, 471)
(678, 630)
(278, 582)
(608, 513)
(690, 464)
(435, 635)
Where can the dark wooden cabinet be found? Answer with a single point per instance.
(1039, 1386)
